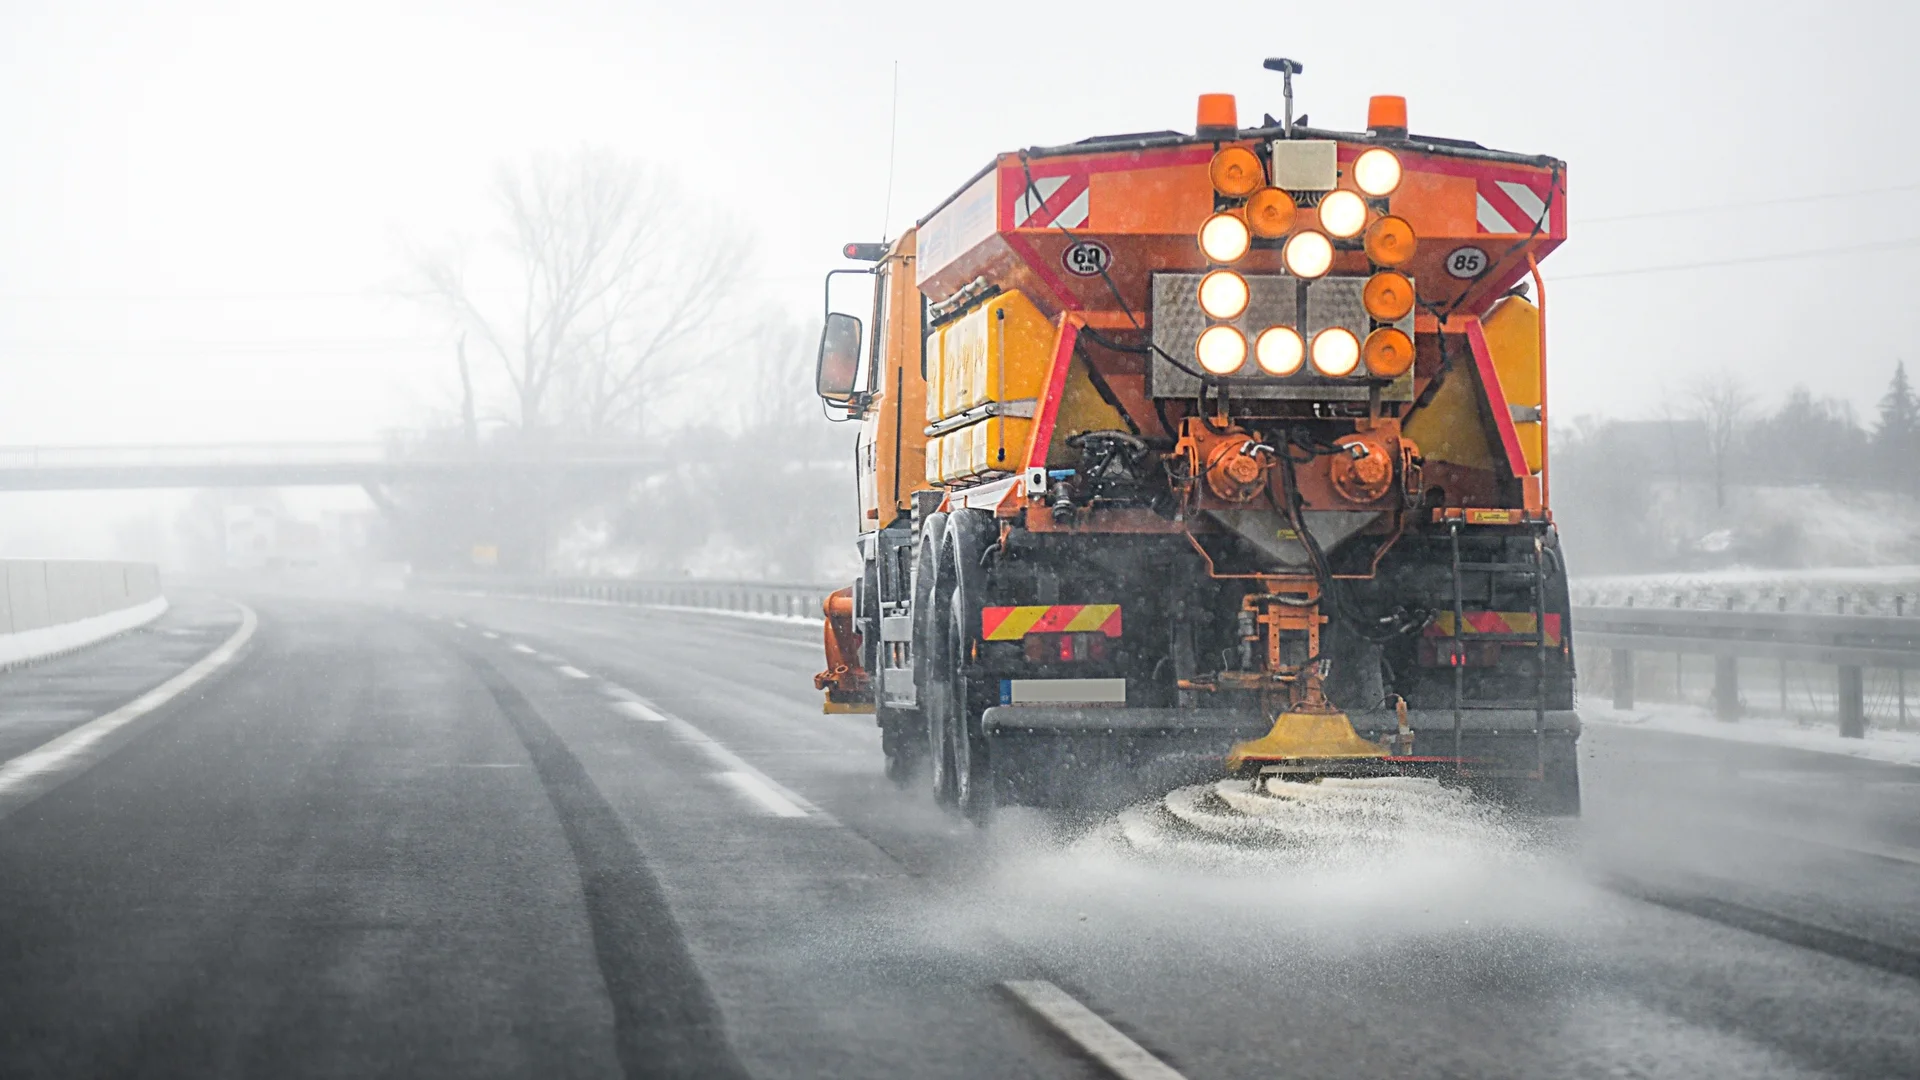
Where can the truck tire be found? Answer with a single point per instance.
(973, 783)
(969, 533)
(932, 584)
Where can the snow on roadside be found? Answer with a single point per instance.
(1881, 744)
(25, 646)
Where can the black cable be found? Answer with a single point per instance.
(1033, 193)
(1546, 215)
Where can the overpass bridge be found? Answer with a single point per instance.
(370, 465)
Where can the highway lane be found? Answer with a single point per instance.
(437, 835)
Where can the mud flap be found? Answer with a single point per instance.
(1103, 758)
(1100, 758)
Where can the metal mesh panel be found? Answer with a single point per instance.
(1273, 300)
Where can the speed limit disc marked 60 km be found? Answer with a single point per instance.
(1087, 258)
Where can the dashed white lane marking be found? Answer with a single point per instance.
(572, 672)
(734, 769)
(459, 624)
(519, 648)
(760, 791)
(488, 634)
(39, 770)
(639, 712)
(620, 693)
(1122, 1056)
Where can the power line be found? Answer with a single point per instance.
(1689, 211)
(1811, 253)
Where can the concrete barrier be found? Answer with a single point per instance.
(51, 606)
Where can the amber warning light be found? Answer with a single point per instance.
(1217, 117)
(865, 252)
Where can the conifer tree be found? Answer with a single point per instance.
(1897, 436)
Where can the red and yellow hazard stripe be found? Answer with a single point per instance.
(1014, 623)
(1494, 622)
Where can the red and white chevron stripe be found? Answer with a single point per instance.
(1053, 202)
(1510, 206)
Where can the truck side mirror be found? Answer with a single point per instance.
(839, 365)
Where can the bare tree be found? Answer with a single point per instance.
(1722, 405)
(607, 271)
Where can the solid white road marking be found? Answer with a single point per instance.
(1122, 1056)
(519, 648)
(572, 672)
(760, 791)
(37, 771)
(639, 712)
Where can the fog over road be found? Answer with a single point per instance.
(422, 835)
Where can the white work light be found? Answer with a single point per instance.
(1377, 172)
(1343, 214)
(1308, 255)
(1336, 351)
(1221, 350)
(1279, 351)
(1224, 238)
(1223, 294)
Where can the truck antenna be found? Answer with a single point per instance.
(1287, 69)
(893, 140)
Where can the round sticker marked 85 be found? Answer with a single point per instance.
(1466, 262)
(1087, 258)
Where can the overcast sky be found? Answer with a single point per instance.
(200, 204)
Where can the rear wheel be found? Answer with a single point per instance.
(937, 694)
(939, 745)
(972, 768)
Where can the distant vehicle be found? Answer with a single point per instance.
(1223, 451)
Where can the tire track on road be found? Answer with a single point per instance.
(666, 1021)
(1785, 929)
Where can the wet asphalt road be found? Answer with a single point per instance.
(436, 836)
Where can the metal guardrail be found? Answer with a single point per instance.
(1850, 644)
(1859, 640)
(280, 453)
(757, 597)
(76, 468)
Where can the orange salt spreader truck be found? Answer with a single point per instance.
(1223, 452)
